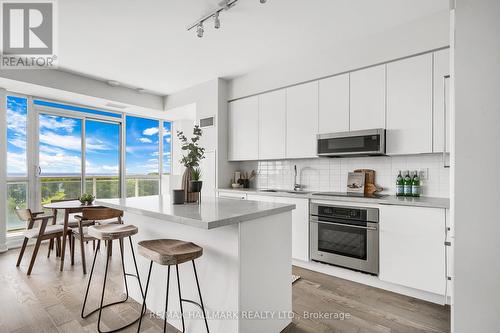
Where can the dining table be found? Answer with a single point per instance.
(69, 207)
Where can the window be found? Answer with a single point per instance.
(17, 176)
(142, 156)
(167, 148)
(76, 108)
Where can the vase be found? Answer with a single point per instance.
(186, 179)
(195, 186)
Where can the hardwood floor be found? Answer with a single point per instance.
(370, 309)
(50, 301)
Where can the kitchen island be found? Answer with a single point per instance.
(245, 271)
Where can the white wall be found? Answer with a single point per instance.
(477, 154)
(211, 100)
(330, 174)
(419, 36)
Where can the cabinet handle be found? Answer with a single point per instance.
(445, 80)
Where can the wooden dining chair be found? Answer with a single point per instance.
(37, 228)
(91, 216)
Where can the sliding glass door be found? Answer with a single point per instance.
(60, 157)
(102, 155)
(78, 155)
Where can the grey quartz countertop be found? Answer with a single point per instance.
(211, 213)
(386, 200)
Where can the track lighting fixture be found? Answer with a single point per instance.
(200, 30)
(216, 21)
(223, 5)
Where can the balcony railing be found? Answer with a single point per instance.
(68, 187)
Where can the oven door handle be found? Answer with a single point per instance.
(346, 225)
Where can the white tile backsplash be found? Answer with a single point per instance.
(330, 174)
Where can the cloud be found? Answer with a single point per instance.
(16, 122)
(18, 142)
(60, 163)
(62, 141)
(57, 123)
(101, 169)
(16, 163)
(166, 132)
(70, 142)
(150, 131)
(145, 140)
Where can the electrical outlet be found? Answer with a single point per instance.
(423, 174)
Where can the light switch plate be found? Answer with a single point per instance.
(423, 174)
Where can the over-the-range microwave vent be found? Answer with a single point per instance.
(353, 143)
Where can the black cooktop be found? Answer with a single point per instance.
(350, 194)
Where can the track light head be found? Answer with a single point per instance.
(200, 30)
(216, 21)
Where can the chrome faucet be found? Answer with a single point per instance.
(296, 186)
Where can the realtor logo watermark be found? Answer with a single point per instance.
(28, 34)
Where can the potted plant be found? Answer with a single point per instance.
(86, 199)
(195, 183)
(191, 159)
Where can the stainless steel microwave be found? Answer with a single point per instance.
(353, 143)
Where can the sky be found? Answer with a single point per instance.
(60, 143)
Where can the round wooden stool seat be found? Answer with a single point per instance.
(169, 251)
(112, 231)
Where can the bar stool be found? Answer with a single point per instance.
(169, 252)
(108, 233)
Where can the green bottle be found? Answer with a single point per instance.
(400, 183)
(407, 185)
(415, 185)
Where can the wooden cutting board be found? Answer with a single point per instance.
(370, 185)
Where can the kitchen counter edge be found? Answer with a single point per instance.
(429, 202)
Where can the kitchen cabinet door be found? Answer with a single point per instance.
(302, 120)
(412, 250)
(409, 106)
(300, 226)
(334, 104)
(442, 102)
(244, 129)
(272, 125)
(367, 98)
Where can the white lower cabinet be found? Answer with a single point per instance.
(412, 247)
(300, 226)
(300, 223)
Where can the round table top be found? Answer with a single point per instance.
(73, 204)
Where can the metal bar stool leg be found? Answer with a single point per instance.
(199, 293)
(180, 297)
(108, 255)
(166, 302)
(88, 284)
(145, 295)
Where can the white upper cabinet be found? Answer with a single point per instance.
(334, 104)
(244, 129)
(272, 125)
(412, 250)
(367, 98)
(441, 101)
(302, 120)
(409, 106)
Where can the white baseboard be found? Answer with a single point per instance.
(369, 280)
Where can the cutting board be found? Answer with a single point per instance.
(370, 185)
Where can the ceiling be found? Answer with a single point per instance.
(144, 43)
